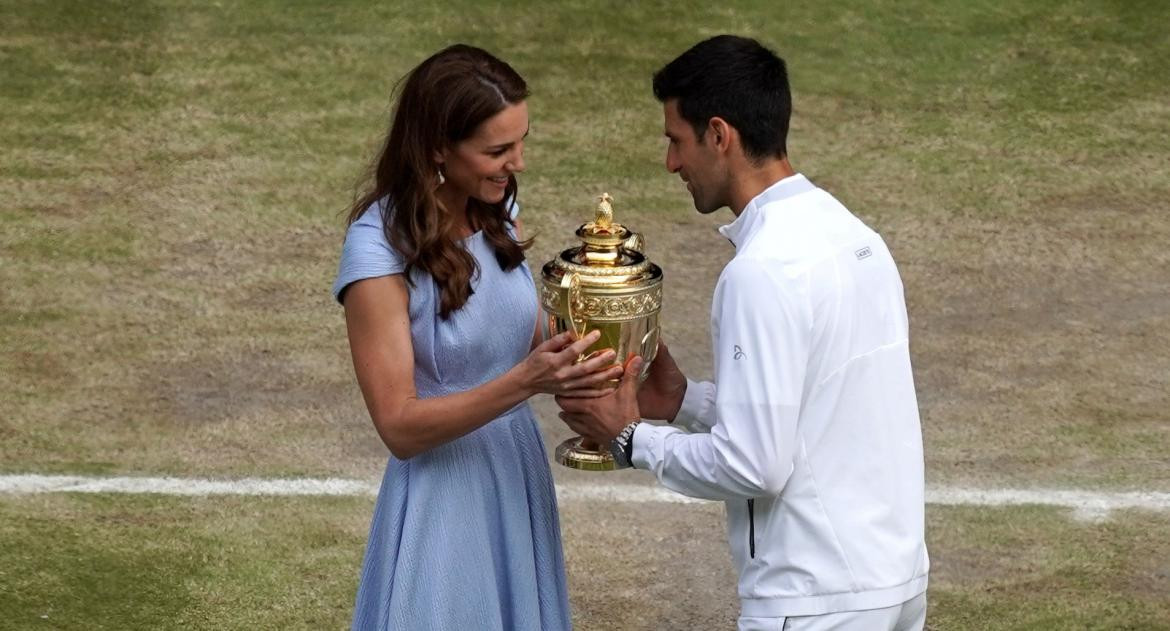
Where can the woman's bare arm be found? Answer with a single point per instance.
(378, 322)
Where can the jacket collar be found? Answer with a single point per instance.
(747, 221)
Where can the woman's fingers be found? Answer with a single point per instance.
(599, 376)
(593, 379)
(557, 342)
(602, 361)
(576, 349)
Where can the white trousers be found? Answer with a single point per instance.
(908, 616)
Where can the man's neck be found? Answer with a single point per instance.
(751, 180)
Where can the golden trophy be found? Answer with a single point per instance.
(605, 283)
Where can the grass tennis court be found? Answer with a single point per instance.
(172, 182)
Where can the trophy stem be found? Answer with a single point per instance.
(586, 455)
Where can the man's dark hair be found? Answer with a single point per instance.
(738, 80)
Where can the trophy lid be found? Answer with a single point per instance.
(603, 232)
(610, 254)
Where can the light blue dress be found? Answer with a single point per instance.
(465, 535)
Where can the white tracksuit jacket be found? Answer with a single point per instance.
(810, 431)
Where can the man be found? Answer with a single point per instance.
(810, 430)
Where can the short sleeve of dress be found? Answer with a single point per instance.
(366, 253)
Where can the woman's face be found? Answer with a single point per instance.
(481, 165)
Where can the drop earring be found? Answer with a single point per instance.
(441, 178)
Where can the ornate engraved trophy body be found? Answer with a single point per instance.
(605, 283)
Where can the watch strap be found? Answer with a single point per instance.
(622, 446)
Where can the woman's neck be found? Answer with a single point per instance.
(456, 202)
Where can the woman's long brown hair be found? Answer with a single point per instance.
(441, 103)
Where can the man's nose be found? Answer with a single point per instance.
(672, 163)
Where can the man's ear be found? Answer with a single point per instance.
(720, 132)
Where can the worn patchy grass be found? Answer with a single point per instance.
(173, 176)
(153, 562)
(1034, 568)
(149, 562)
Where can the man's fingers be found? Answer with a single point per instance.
(575, 423)
(586, 393)
(571, 419)
(632, 369)
(571, 405)
(580, 400)
(566, 418)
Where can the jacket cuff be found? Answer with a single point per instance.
(647, 442)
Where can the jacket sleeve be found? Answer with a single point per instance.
(761, 342)
(697, 413)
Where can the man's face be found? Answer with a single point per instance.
(694, 160)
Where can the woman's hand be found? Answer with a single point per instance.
(551, 367)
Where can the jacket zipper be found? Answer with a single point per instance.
(752, 527)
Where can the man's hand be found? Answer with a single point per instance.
(661, 394)
(601, 419)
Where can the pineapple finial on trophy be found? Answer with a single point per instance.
(604, 218)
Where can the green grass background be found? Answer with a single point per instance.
(173, 177)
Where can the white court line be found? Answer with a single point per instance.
(24, 484)
(1090, 505)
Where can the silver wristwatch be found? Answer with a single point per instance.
(622, 446)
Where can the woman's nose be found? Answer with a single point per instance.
(516, 164)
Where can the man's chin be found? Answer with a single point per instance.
(705, 209)
(701, 206)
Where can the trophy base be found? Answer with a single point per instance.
(578, 453)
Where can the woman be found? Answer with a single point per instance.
(441, 313)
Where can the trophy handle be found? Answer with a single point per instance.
(635, 242)
(571, 293)
(649, 350)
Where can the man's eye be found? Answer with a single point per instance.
(498, 152)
